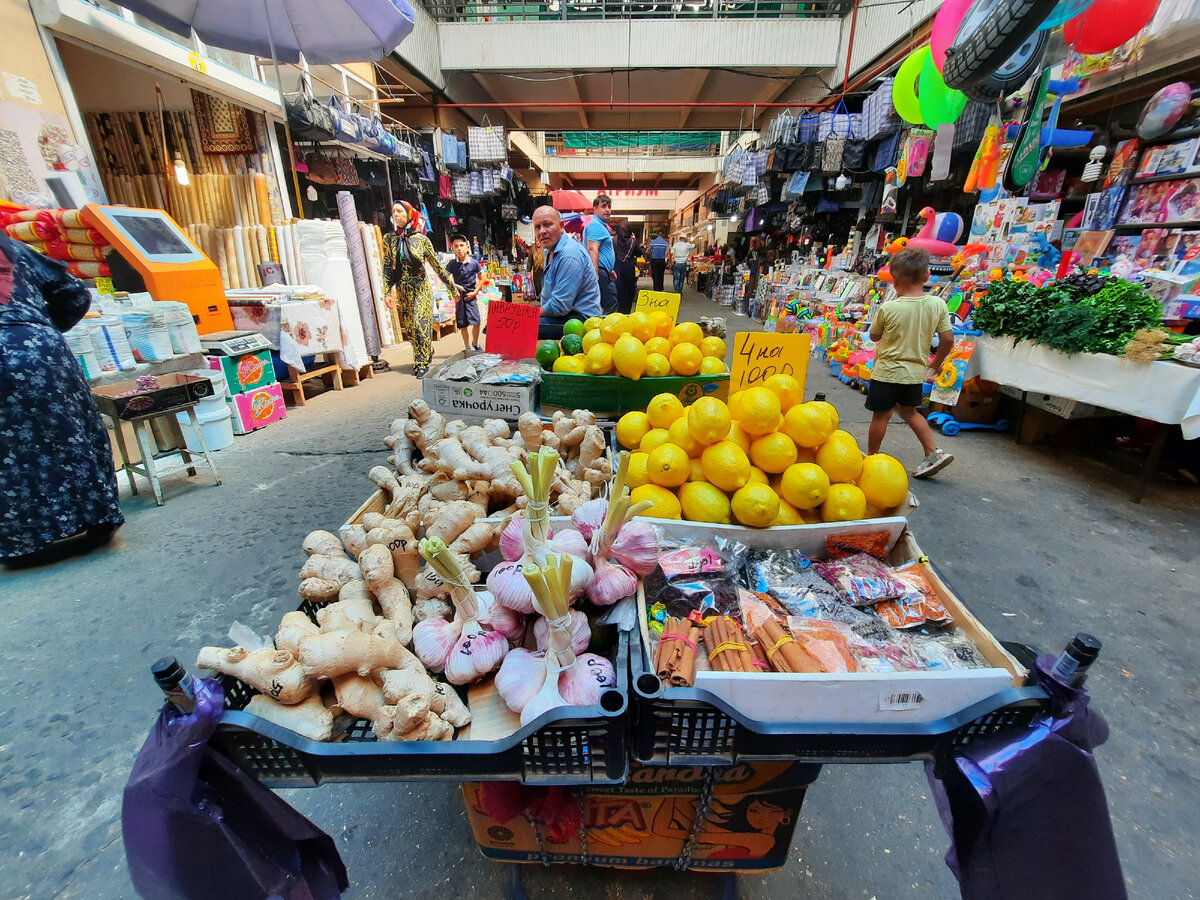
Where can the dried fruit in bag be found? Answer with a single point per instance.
(874, 543)
(861, 580)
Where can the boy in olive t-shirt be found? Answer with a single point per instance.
(903, 330)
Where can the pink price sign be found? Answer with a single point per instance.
(512, 329)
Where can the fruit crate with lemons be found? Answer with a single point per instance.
(618, 363)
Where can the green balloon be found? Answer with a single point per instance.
(939, 104)
(904, 86)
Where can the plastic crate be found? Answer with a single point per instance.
(568, 746)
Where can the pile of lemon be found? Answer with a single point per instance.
(644, 344)
(765, 458)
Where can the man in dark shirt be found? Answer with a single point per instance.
(465, 272)
(659, 247)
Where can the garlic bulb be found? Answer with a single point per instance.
(433, 641)
(589, 517)
(589, 677)
(512, 544)
(547, 697)
(520, 677)
(504, 620)
(636, 547)
(570, 541)
(611, 582)
(475, 653)
(581, 631)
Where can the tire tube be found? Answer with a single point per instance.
(996, 87)
(1007, 26)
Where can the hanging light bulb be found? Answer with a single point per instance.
(1095, 164)
(181, 172)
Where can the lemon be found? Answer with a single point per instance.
(811, 516)
(613, 326)
(710, 365)
(804, 485)
(703, 502)
(658, 345)
(599, 360)
(738, 435)
(662, 323)
(697, 470)
(840, 458)
(713, 346)
(591, 338)
(657, 365)
(687, 333)
(664, 409)
(679, 435)
(773, 452)
(758, 410)
(629, 357)
(787, 389)
(640, 326)
(733, 401)
(668, 465)
(708, 420)
(830, 409)
(807, 424)
(593, 322)
(845, 503)
(726, 465)
(636, 476)
(883, 481)
(758, 475)
(755, 505)
(788, 514)
(631, 428)
(568, 364)
(685, 359)
(653, 439)
(666, 504)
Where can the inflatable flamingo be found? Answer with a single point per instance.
(938, 234)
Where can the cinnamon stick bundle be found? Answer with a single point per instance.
(727, 648)
(782, 651)
(675, 658)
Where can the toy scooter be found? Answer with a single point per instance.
(951, 426)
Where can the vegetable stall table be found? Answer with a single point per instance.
(1164, 392)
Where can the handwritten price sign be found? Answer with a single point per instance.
(512, 329)
(758, 355)
(658, 301)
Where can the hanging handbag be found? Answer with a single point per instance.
(476, 183)
(371, 172)
(347, 175)
(854, 155)
(487, 142)
(369, 129)
(345, 126)
(445, 187)
(320, 169)
(886, 151)
(308, 118)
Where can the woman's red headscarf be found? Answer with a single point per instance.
(415, 222)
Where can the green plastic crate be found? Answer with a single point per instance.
(613, 395)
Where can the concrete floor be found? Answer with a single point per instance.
(1039, 544)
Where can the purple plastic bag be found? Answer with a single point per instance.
(197, 827)
(1026, 810)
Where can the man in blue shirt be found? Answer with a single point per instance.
(600, 248)
(659, 247)
(569, 287)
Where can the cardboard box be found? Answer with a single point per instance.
(976, 407)
(175, 390)
(245, 372)
(257, 409)
(464, 399)
(1063, 407)
(647, 821)
(613, 395)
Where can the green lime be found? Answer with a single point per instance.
(572, 344)
(573, 326)
(547, 353)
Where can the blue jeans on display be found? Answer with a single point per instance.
(680, 273)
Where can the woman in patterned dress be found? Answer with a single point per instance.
(56, 468)
(405, 252)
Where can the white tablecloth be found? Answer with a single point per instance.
(298, 328)
(1163, 391)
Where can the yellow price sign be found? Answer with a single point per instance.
(104, 285)
(757, 355)
(659, 301)
(196, 61)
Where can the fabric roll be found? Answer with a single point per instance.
(358, 268)
(322, 254)
(383, 315)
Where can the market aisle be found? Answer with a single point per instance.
(1038, 545)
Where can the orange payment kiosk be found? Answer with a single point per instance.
(154, 254)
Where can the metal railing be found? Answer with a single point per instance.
(642, 143)
(580, 10)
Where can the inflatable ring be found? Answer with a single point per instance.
(939, 105)
(904, 87)
(947, 377)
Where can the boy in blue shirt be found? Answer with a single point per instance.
(465, 272)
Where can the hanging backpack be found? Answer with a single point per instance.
(308, 118)
(345, 126)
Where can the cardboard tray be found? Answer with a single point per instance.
(727, 716)
(613, 395)
(175, 392)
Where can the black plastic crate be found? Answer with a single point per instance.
(569, 745)
(690, 726)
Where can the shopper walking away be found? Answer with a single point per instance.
(903, 330)
(465, 272)
(681, 250)
(405, 252)
(56, 467)
(600, 248)
(627, 249)
(659, 248)
(569, 286)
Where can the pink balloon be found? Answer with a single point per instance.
(945, 29)
(1107, 24)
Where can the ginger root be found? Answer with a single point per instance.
(432, 608)
(453, 519)
(529, 426)
(341, 569)
(319, 590)
(401, 447)
(293, 628)
(309, 718)
(323, 543)
(424, 426)
(378, 573)
(358, 696)
(276, 673)
(333, 653)
(427, 727)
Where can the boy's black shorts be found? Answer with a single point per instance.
(466, 312)
(885, 395)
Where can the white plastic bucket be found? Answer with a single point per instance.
(217, 427)
(216, 376)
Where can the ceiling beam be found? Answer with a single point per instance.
(583, 119)
(692, 91)
(512, 114)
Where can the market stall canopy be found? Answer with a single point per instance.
(325, 31)
(569, 201)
